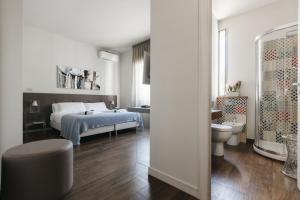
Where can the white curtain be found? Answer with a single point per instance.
(140, 91)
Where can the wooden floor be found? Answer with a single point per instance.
(116, 168)
(243, 174)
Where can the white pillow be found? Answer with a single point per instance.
(54, 107)
(70, 107)
(97, 107)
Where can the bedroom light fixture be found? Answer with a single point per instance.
(34, 107)
(35, 103)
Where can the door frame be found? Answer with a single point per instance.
(204, 65)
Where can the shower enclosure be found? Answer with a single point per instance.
(276, 93)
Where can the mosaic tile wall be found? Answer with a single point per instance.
(233, 108)
(278, 100)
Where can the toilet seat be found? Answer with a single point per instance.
(221, 128)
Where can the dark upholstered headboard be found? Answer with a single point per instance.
(46, 99)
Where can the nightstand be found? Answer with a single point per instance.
(38, 130)
(35, 126)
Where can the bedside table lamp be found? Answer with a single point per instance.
(34, 107)
(35, 103)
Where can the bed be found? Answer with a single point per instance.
(75, 120)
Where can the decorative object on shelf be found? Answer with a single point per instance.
(72, 78)
(233, 90)
(290, 166)
(34, 107)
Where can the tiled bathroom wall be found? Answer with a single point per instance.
(278, 101)
(233, 109)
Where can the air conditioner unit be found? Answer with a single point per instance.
(108, 56)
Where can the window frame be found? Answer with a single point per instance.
(220, 92)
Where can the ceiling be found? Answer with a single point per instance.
(227, 8)
(111, 24)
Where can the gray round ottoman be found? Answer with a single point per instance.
(41, 170)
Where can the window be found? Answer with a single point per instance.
(222, 69)
(140, 91)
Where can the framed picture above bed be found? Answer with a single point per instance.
(73, 78)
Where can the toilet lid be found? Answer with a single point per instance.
(220, 127)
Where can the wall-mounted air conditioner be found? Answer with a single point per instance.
(108, 56)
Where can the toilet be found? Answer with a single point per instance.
(237, 128)
(220, 135)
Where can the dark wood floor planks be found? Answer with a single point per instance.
(243, 174)
(116, 168)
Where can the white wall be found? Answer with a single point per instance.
(180, 94)
(10, 74)
(43, 51)
(242, 31)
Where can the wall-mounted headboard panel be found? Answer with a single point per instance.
(46, 99)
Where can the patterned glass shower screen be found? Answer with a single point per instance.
(276, 99)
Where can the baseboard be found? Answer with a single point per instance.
(175, 182)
